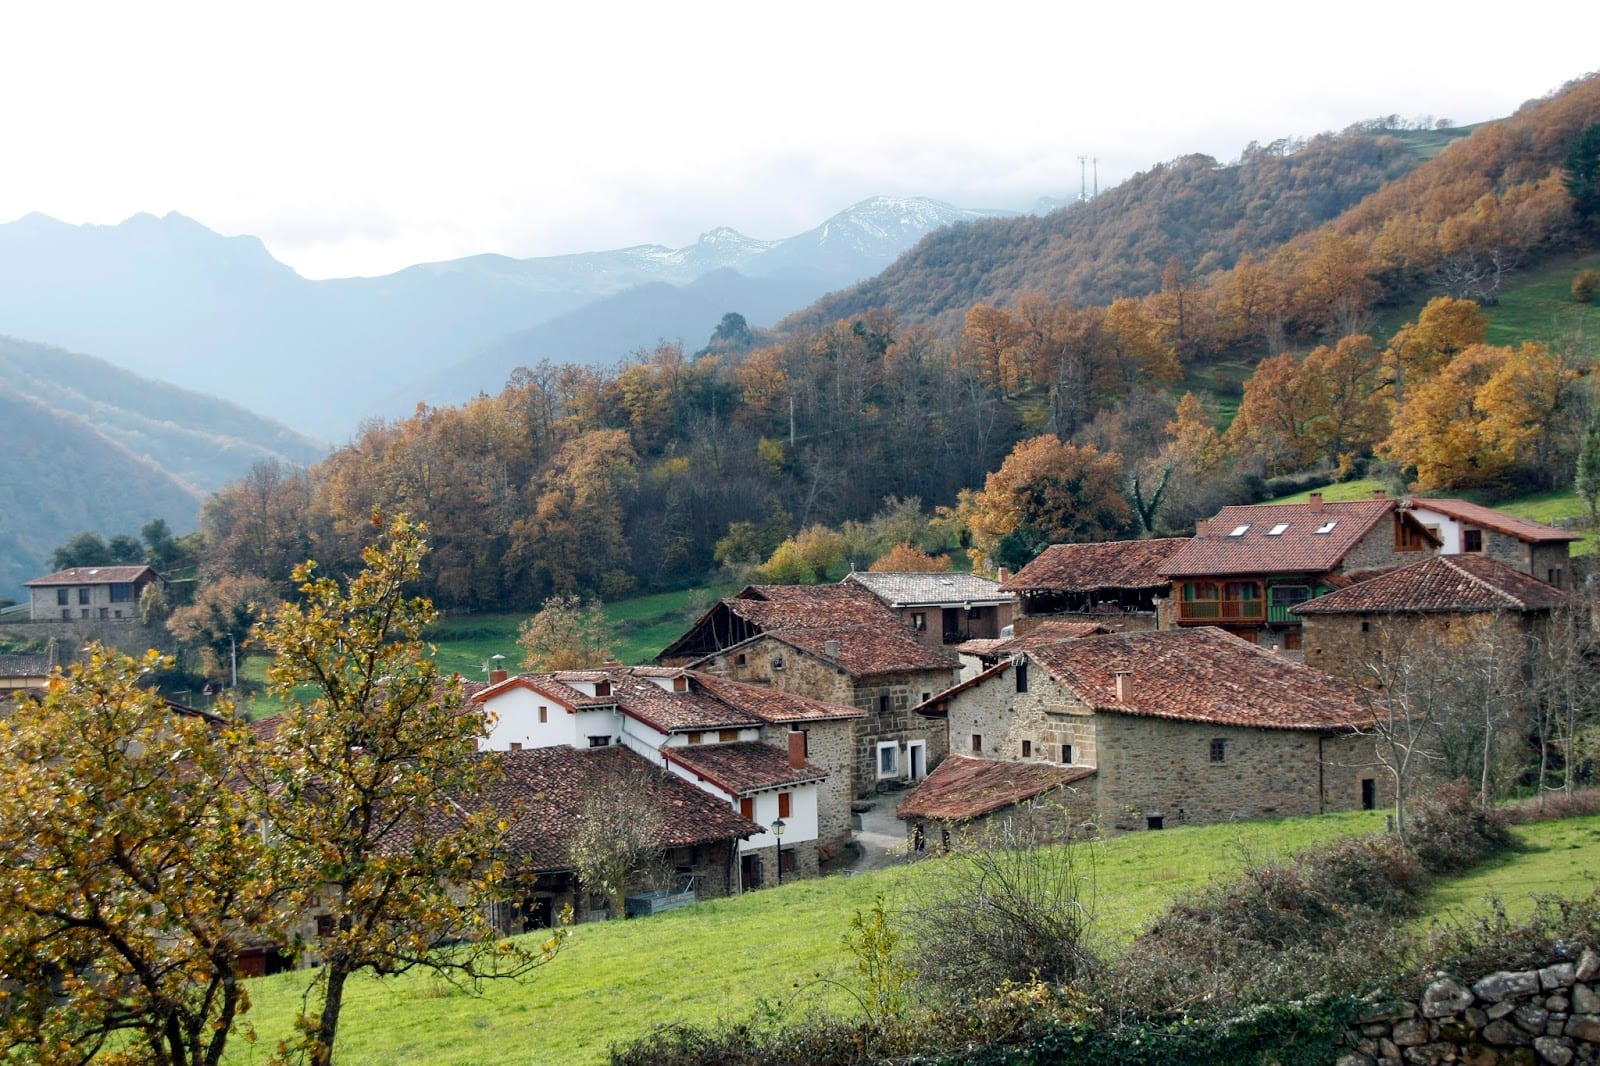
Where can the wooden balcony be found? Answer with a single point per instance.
(1221, 610)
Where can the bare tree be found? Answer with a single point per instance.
(1566, 686)
(618, 841)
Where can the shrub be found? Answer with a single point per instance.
(1586, 285)
(1008, 908)
(1450, 831)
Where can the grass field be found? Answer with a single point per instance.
(727, 959)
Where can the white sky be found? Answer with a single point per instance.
(357, 138)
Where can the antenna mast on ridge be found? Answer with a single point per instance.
(1083, 178)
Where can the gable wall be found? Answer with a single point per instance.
(1047, 716)
(1157, 766)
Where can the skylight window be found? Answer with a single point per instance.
(1277, 530)
(1239, 531)
(1328, 526)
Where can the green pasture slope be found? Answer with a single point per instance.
(775, 949)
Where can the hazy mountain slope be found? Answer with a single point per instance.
(167, 298)
(1192, 210)
(61, 475)
(200, 440)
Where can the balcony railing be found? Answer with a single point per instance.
(1220, 610)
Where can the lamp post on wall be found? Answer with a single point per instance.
(777, 833)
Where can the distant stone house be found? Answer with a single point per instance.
(1245, 569)
(1170, 727)
(1345, 631)
(942, 608)
(90, 593)
(768, 755)
(965, 793)
(1114, 583)
(1463, 528)
(979, 655)
(840, 645)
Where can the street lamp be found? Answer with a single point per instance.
(777, 833)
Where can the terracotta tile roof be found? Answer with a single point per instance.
(92, 575)
(556, 686)
(867, 650)
(912, 590)
(1297, 547)
(541, 794)
(1045, 633)
(1124, 564)
(1523, 529)
(740, 769)
(808, 606)
(962, 787)
(1202, 675)
(770, 705)
(1441, 583)
(692, 709)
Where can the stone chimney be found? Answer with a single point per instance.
(830, 648)
(1003, 574)
(1124, 686)
(797, 749)
(1316, 499)
(496, 676)
(1379, 494)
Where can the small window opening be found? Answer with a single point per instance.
(1219, 750)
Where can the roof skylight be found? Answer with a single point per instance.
(1327, 527)
(1277, 530)
(1239, 531)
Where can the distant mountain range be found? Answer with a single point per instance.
(90, 446)
(166, 298)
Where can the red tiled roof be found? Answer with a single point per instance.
(867, 650)
(1296, 548)
(771, 705)
(1441, 583)
(1203, 675)
(541, 792)
(743, 768)
(554, 686)
(1523, 529)
(92, 575)
(1124, 564)
(923, 589)
(1045, 633)
(809, 606)
(963, 787)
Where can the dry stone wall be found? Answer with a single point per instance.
(1549, 1015)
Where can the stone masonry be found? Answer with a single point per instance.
(1549, 1015)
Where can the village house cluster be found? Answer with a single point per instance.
(1134, 685)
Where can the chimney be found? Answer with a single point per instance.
(797, 749)
(1202, 527)
(1379, 494)
(1003, 574)
(830, 648)
(496, 676)
(1124, 686)
(1316, 499)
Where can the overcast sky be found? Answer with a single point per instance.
(357, 138)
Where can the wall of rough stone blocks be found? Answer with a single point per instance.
(1546, 1015)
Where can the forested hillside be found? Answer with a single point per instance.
(575, 479)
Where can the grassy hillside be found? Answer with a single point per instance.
(775, 950)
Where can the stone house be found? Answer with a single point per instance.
(942, 608)
(1346, 631)
(541, 794)
(1245, 569)
(1176, 726)
(1464, 528)
(979, 655)
(83, 593)
(1116, 583)
(965, 795)
(769, 755)
(840, 645)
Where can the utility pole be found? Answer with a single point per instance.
(1083, 178)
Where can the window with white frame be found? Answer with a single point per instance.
(888, 759)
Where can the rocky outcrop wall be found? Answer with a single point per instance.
(1549, 1015)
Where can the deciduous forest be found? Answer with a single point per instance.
(1084, 325)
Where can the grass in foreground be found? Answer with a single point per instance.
(723, 958)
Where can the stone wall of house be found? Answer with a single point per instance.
(1339, 645)
(1376, 550)
(830, 745)
(1545, 559)
(1549, 1015)
(1351, 773)
(887, 699)
(1046, 718)
(1154, 768)
(804, 858)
